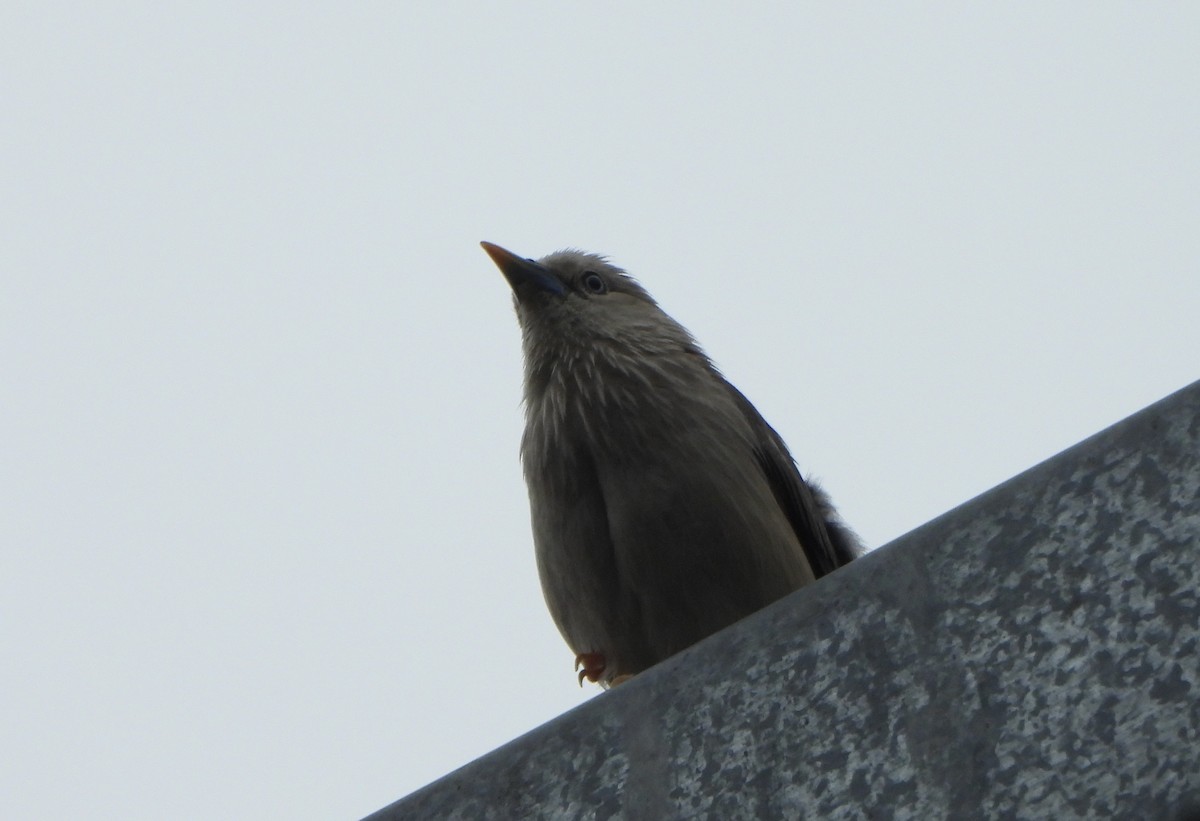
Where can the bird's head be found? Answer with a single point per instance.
(570, 302)
(593, 338)
(599, 353)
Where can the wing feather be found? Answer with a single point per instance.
(827, 543)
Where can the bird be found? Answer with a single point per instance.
(663, 506)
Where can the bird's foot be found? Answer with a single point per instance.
(590, 666)
(621, 679)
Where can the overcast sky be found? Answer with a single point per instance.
(265, 540)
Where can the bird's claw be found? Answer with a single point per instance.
(590, 666)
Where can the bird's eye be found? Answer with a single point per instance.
(594, 283)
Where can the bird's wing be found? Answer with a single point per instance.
(827, 544)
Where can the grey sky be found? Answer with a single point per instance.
(265, 539)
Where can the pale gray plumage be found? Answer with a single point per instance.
(663, 507)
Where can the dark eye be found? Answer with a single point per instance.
(594, 283)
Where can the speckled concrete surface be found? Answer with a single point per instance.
(1034, 653)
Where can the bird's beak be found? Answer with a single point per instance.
(524, 275)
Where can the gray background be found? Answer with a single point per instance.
(265, 548)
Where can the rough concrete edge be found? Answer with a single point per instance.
(809, 599)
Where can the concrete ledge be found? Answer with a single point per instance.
(1034, 653)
